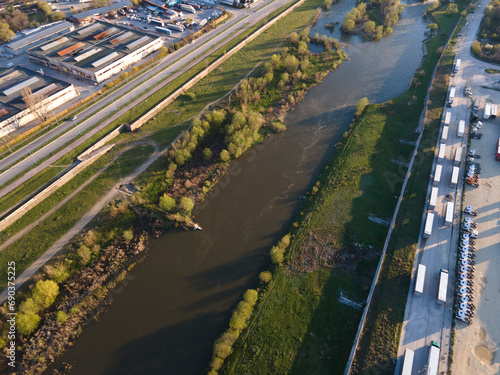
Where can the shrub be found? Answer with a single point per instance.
(167, 203)
(277, 255)
(44, 293)
(207, 154)
(59, 272)
(26, 323)
(225, 156)
(265, 276)
(360, 106)
(74, 310)
(251, 296)
(128, 235)
(61, 316)
(84, 254)
(186, 204)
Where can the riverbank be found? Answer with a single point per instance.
(302, 322)
(187, 179)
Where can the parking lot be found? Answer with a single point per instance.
(191, 22)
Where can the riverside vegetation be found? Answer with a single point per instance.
(234, 128)
(487, 47)
(298, 324)
(374, 19)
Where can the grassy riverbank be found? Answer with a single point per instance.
(300, 325)
(380, 339)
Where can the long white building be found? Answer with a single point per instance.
(14, 112)
(95, 52)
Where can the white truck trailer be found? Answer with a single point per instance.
(454, 176)
(448, 218)
(408, 362)
(444, 134)
(487, 111)
(458, 156)
(447, 118)
(451, 95)
(443, 287)
(433, 362)
(429, 222)
(171, 26)
(494, 110)
(187, 8)
(437, 175)
(433, 198)
(419, 282)
(461, 128)
(458, 62)
(442, 150)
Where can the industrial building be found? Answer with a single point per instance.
(36, 38)
(46, 94)
(95, 52)
(88, 16)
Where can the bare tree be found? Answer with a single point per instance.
(36, 103)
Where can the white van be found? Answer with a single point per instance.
(10, 65)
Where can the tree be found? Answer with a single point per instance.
(251, 296)
(26, 323)
(61, 316)
(207, 154)
(275, 60)
(17, 20)
(452, 8)
(167, 203)
(360, 106)
(277, 255)
(369, 27)
(291, 64)
(294, 38)
(265, 276)
(327, 4)
(225, 156)
(6, 34)
(348, 25)
(302, 48)
(44, 293)
(128, 235)
(84, 253)
(186, 204)
(36, 103)
(432, 26)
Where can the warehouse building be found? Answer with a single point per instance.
(89, 16)
(45, 94)
(36, 38)
(95, 52)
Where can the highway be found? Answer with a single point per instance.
(52, 141)
(425, 320)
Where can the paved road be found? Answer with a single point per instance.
(425, 320)
(240, 22)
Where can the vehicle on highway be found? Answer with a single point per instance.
(451, 96)
(433, 361)
(74, 118)
(419, 282)
(408, 362)
(461, 128)
(428, 225)
(457, 65)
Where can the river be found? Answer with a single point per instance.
(179, 300)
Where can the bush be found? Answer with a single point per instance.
(84, 254)
(44, 293)
(74, 310)
(225, 156)
(207, 154)
(128, 235)
(265, 276)
(27, 323)
(327, 4)
(251, 296)
(277, 255)
(186, 204)
(61, 316)
(432, 26)
(59, 272)
(167, 203)
(360, 106)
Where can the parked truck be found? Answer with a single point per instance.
(429, 222)
(494, 110)
(433, 361)
(156, 22)
(447, 118)
(443, 287)
(448, 218)
(444, 134)
(497, 156)
(163, 30)
(458, 156)
(454, 177)
(433, 198)
(442, 151)
(461, 128)
(408, 362)
(457, 65)
(175, 27)
(451, 95)
(437, 175)
(487, 111)
(419, 282)
(187, 8)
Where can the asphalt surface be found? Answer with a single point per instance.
(96, 112)
(425, 320)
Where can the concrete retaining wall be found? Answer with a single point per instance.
(26, 207)
(84, 155)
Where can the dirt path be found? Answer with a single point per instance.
(61, 242)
